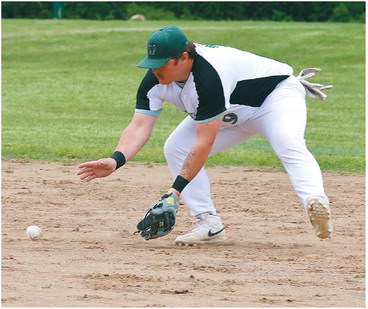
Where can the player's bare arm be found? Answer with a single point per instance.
(136, 135)
(133, 138)
(205, 136)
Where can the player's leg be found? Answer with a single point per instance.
(282, 121)
(197, 194)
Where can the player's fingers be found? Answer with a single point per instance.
(80, 172)
(86, 175)
(93, 176)
(84, 170)
(89, 164)
(83, 165)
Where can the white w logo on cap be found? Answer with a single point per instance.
(151, 50)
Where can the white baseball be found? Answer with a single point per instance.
(34, 232)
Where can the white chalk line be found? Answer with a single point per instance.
(185, 28)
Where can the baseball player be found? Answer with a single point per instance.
(229, 95)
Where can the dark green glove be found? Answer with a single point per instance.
(160, 218)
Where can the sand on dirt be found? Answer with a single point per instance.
(89, 257)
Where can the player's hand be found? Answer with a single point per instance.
(160, 218)
(96, 169)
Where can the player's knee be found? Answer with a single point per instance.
(170, 148)
(174, 149)
(167, 150)
(290, 148)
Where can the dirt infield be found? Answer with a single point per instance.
(89, 257)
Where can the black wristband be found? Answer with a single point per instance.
(180, 183)
(119, 158)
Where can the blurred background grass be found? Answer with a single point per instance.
(69, 87)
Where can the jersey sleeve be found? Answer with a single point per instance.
(211, 99)
(148, 100)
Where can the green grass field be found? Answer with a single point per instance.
(69, 87)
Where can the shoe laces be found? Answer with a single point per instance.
(202, 223)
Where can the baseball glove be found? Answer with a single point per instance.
(160, 218)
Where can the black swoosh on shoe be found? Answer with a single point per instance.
(210, 234)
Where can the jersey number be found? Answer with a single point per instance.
(233, 118)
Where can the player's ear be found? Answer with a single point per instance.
(185, 56)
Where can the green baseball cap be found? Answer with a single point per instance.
(162, 45)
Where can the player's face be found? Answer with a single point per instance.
(175, 70)
(167, 73)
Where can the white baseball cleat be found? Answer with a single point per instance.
(320, 216)
(208, 230)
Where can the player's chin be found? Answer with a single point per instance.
(164, 82)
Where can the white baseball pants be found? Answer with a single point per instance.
(281, 120)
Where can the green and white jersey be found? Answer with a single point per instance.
(220, 78)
